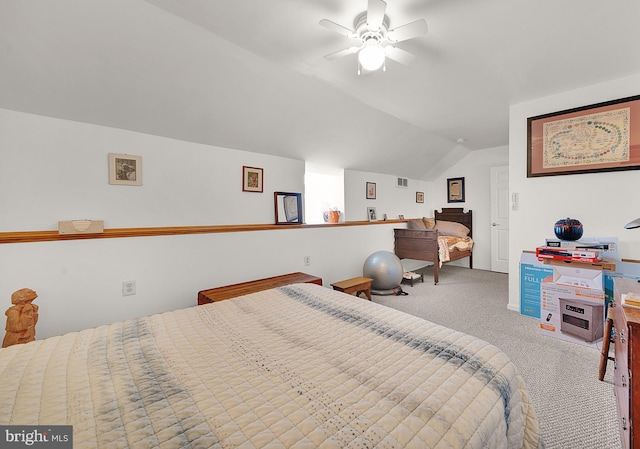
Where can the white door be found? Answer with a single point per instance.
(500, 219)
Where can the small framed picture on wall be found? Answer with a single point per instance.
(419, 197)
(371, 190)
(252, 179)
(125, 169)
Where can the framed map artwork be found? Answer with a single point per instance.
(595, 138)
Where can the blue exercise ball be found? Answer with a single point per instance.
(385, 268)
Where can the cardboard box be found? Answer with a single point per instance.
(574, 276)
(532, 273)
(626, 269)
(569, 309)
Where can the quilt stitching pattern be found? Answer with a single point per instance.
(300, 366)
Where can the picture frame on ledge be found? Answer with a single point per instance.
(455, 190)
(125, 169)
(371, 214)
(288, 207)
(252, 179)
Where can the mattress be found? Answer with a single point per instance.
(299, 366)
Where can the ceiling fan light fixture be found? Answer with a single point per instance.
(371, 57)
(371, 28)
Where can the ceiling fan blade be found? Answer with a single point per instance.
(341, 53)
(399, 55)
(375, 14)
(337, 28)
(408, 31)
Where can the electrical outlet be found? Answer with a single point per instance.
(307, 261)
(128, 288)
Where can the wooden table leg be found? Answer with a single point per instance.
(606, 341)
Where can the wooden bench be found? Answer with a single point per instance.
(244, 288)
(354, 285)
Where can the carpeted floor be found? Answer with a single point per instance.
(574, 408)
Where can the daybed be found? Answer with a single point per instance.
(298, 366)
(444, 238)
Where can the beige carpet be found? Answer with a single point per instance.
(574, 408)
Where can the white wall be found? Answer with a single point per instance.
(57, 169)
(79, 282)
(475, 167)
(476, 170)
(390, 200)
(603, 202)
(323, 192)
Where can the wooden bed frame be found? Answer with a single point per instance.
(422, 244)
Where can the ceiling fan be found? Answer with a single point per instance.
(377, 41)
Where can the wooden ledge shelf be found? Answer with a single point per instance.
(53, 235)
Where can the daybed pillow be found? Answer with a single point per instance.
(430, 223)
(416, 223)
(452, 228)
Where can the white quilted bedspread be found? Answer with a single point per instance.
(297, 367)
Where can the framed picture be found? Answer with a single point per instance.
(371, 190)
(419, 197)
(400, 217)
(125, 169)
(595, 138)
(288, 207)
(252, 179)
(371, 214)
(455, 190)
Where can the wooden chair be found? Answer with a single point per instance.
(606, 342)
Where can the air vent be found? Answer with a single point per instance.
(402, 182)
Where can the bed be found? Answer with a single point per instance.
(297, 366)
(448, 241)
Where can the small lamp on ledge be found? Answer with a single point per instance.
(633, 224)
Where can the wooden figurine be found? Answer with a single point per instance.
(21, 318)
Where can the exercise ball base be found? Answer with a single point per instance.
(385, 292)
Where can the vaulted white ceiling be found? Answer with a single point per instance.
(251, 74)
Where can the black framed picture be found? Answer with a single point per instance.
(371, 190)
(288, 207)
(455, 190)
